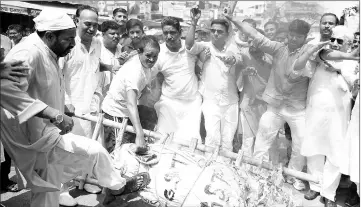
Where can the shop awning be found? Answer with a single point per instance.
(19, 7)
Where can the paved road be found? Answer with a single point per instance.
(22, 198)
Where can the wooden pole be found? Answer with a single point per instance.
(119, 138)
(204, 148)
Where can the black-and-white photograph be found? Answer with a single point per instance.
(180, 103)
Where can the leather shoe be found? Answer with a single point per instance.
(329, 203)
(311, 195)
(352, 200)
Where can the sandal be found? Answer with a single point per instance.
(131, 185)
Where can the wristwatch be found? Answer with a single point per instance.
(58, 119)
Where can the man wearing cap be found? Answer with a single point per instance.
(286, 98)
(35, 130)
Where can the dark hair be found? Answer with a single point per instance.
(331, 14)
(42, 33)
(271, 22)
(133, 23)
(109, 24)
(357, 33)
(16, 27)
(260, 31)
(115, 11)
(148, 40)
(222, 22)
(281, 30)
(171, 21)
(85, 7)
(299, 26)
(251, 21)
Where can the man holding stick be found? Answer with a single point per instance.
(35, 130)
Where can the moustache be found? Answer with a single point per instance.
(335, 47)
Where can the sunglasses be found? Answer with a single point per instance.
(218, 31)
(356, 41)
(339, 41)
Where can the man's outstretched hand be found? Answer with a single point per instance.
(13, 70)
(316, 47)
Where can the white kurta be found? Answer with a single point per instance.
(35, 136)
(179, 107)
(33, 143)
(220, 94)
(351, 156)
(328, 112)
(82, 81)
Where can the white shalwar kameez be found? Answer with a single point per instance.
(33, 143)
(83, 82)
(351, 161)
(220, 95)
(327, 116)
(179, 107)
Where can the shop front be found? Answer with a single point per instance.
(23, 13)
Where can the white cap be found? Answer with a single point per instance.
(53, 20)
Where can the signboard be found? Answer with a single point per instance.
(15, 10)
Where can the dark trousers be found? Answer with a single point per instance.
(148, 120)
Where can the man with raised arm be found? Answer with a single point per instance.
(218, 83)
(179, 107)
(286, 99)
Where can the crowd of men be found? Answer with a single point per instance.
(227, 78)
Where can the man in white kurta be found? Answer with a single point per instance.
(218, 84)
(82, 78)
(179, 107)
(35, 145)
(327, 116)
(83, 85)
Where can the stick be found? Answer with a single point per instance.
(232, 5)
(204, 148)
(120, 135)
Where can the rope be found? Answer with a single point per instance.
(199, 175)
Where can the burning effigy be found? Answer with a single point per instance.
(180, 177)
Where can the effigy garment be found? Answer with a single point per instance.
(181, 178)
